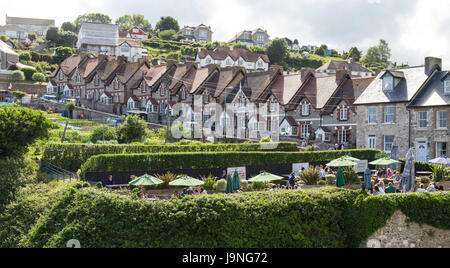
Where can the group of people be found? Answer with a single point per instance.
(339, 147)
(190, 191)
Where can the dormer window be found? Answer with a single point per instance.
(163, 91)
(305, 109)
(61, 76)
(447, 87)
(97, 80)
(144, 87)
(388, 83)
(206, 98)
(116, 84)
(272, 106)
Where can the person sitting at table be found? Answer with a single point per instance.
(390, 189)
(439, 187)
(380, 173)
(109, 181)
(389, 174)
(397, 177)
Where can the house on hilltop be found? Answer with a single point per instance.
(231, 56)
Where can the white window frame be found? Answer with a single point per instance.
(272, 106)
(386, 114)
(422, 123)
(447, 87)
(304, 131)
(387, 79)
(439, 149)
(162, 91)
(344, 114)
(372, 114)
(441, 119)
(305, 109)
(386, 143)
(342, 135)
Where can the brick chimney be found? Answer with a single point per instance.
(430, 62)
(275, 67)
(305, 71)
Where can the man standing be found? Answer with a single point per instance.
(110, 181)
(292, 181)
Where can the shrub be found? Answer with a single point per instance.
(167, 34)
(38, 77)
(331, 179)
(18, 76)
(25, 57)
(133, 129)
(167, 178)
(106, 133)
(28, 72)
(72, 156)
(310, 176)
(350, 176)
(205, 160)
(266, 139)
(221, 185)
(112, 142)
(440, 173)
(210, 182)
(258, 186)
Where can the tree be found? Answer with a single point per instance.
(18, 94)
(69, 26)
(296, 42)
(66, 39)
(25, 57)
(62, 53)
(127, 22)
(18, 76)
(4, 38)
(19, 128)
(167, 23)
(70, 106)
(32, 36)
(167, 34)
(52, 34)
(105, 133)
(133, 129)
(93, 18)
(277, 50)
(38, 77)
(175, 55)
(28, 72)
(354, 54)
(378, 57)
(320, 51)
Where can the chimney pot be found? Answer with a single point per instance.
(430, 62)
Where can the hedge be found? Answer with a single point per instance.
(316, 218)
(204, 160)
(419, 166)
(72, 156)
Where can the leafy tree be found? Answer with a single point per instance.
(32, 36)
(28, 72)
(18, 76)
(277, 50)
(52, 34)
(70, 106)
(38, 77)
(167, 34)
(320, 51)
(4, 38)
(19, 128)
(105, 133)
(354, 54)
(126, 22)
(133, 129)
(18, 94)
(62, 53)
(25, 57)
(378, 57)
(66, 39)
(93, 18)
(175, 55)
(296, 42)
(69, 26)
(167, 23)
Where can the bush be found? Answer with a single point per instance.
(244, 185)
(133, 129)
(167, 178)
(210, 182)
(25, 57)
(28, 72)
(38, 77)
(72, 156)
(106, 133)
(205, 160)
(310, 176)
(221, 185)
(18, 76)
(331, 179)
(167, 34)
(350, 176)
(258, 186)
(440, 173)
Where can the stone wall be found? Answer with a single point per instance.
(34, 89)
(398, 233)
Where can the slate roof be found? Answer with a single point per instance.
(403, 92)
(326, 86)
(29, 21)
(432, 94)
(286, 87)
(6, 49)
(292, 122)
(221, 53)
(258, 82)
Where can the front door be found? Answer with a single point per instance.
(372, 142)
(422, 151)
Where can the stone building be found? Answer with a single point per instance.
(258, 37)
(231, 56)
(8, 57)
(201, 33)
(30, 25)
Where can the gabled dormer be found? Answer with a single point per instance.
(447, 85)
(391, 79)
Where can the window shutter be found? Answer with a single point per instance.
(383, 119)
(395, 114)
(436, 119)
(435, 150)
(348, 114)
(339, 114)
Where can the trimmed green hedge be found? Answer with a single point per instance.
(419, 166)
(167, 161)
(72, 156)
(316, 218)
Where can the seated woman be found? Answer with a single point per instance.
(389, 174)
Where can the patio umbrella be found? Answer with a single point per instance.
(186, 181)
(265, 177)
(229, 189)
(386, 161)
(146, 180)
(368, 179)
(443, 160)
(236, 181)
(344, 161)
(407, 180)
(340, 178)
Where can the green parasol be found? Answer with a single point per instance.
(340, 178)
(229, 189)
(386, 161)
(236, 181)
(146, 180)
(186, 181)
(344, 161)
(265, 177)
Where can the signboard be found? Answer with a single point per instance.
(240, 170)
(362, 166)
(297, 168)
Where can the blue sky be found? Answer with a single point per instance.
(413, 28)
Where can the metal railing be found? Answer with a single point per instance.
(58, 173)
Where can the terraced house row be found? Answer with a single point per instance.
(300, 105)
